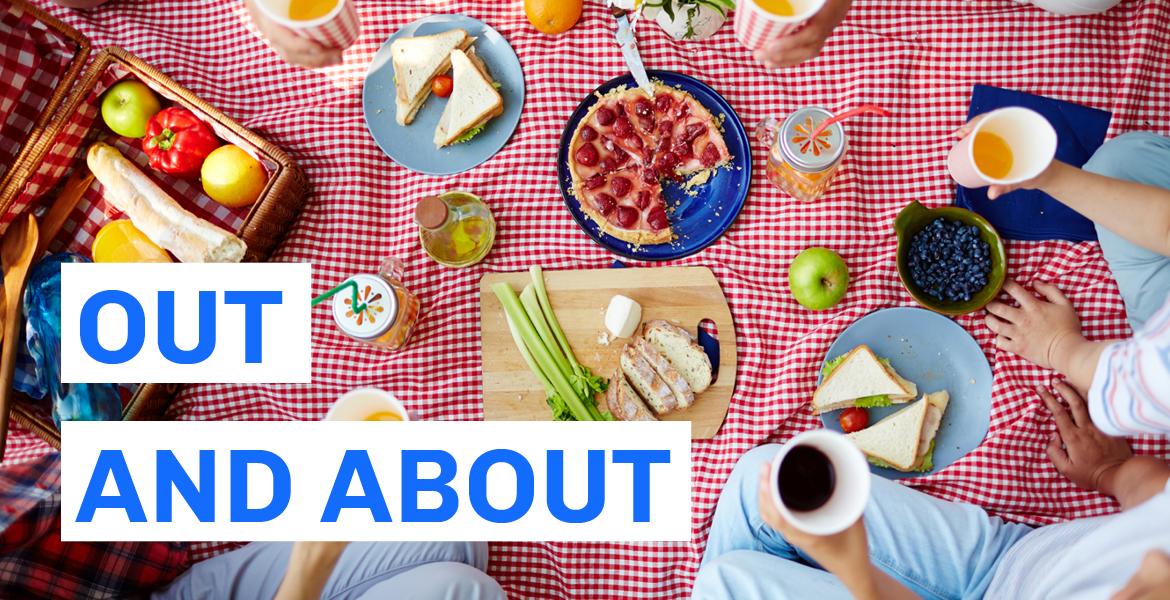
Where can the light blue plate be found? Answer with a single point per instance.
(413, 146)
(936, 354)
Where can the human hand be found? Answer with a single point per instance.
(806, 43)
(1152, 580)
(290, 46)
(1037, 182)
(844, 554)
(1037, 328)
(1077, 449)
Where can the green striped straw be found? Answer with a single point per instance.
(357, 307)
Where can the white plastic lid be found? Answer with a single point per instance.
(380, 312)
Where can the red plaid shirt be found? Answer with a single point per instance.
(35, 563)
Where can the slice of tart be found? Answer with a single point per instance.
(626, 206)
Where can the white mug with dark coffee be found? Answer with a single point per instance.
(820, 482)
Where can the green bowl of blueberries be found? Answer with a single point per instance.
(951, 260)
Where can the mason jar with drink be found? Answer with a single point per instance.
(800, 163)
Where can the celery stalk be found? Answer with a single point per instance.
(542, 295)
(540, 353)
(523, 348)
(532, 307)
(583, 380)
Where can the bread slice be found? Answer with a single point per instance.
(683, 352)
(473, 102)
(860, 375)
(417, 61)
(683, 395)
(644, 378)
(624, 403)
(894, 439)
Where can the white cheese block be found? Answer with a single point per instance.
(623, 317)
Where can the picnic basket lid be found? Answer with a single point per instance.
(25, 24)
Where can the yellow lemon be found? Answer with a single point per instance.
(122, 242)
(553, 16)
(232, 177)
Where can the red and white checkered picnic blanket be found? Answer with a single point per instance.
(917, 58)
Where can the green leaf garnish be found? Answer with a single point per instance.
(832, 364)
(496, 84)
(467, 136)
(872, 401)
(926, 463)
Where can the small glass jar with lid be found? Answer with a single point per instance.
(798, 164)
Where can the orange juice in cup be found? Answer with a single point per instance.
(367, 404)
(758, 22)
(331, 23)
(780, 8)
(307, 10)
(1008, 146)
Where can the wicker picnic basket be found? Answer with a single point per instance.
(56, 144)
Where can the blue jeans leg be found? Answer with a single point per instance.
(1142, 276)
(366, 570)
(938, 549)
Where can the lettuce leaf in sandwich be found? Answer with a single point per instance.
(925, 464)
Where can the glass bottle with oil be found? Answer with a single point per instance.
(456, 228)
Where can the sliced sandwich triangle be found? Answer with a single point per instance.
(894, 439)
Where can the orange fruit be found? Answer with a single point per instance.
(232, 177)
(122, 242)
(553, 16)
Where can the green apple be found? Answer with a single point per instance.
(818, 278)
(128, 106)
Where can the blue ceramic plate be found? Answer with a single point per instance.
(936, 354)
(413, 146)
(698, 220)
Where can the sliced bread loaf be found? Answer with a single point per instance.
(683, 395)
(624, 403)
(683, 352)
(644, 378)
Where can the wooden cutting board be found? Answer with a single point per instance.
(683, 296)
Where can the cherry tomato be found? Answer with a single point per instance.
(854, 419)
(441, 86)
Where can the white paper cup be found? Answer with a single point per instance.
(755, 26)
(358, 404)
(850, 492)
(1029, 135)
(339, 28)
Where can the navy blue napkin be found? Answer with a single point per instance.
(1031, 214)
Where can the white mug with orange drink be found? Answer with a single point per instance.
(1008, 146)
(367, 404)
(331, 23)
(759, 21)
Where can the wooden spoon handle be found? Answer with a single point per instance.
(70, 194)
(7, 370)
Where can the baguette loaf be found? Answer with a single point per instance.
(189, 238)
(624, 403)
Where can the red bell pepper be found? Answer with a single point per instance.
(177, 142)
